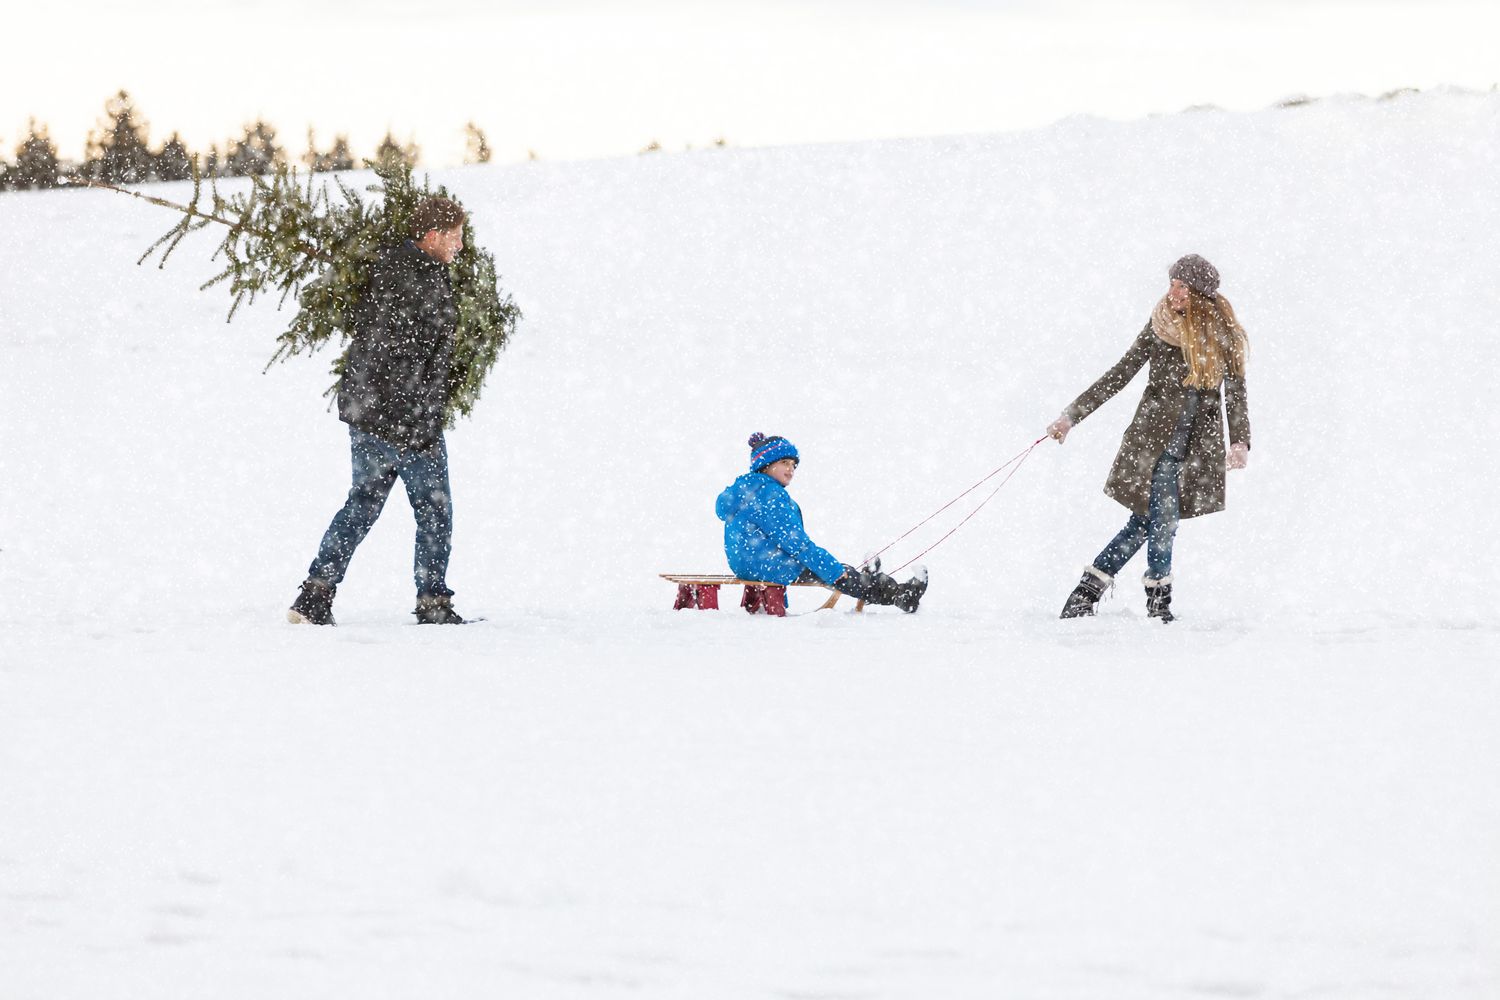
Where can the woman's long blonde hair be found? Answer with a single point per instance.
(1210, 335)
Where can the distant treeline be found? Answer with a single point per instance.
(119, 152)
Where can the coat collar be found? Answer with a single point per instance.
(416, 255)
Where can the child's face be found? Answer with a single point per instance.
(782, 470)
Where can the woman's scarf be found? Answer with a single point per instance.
(1209, 348)
(1167, 323)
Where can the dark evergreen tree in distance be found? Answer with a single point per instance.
(310, 157)
(173, 162)
(117, 151)
(253, 154)
(477, 146)
(391, 155)
(212, 164)
(36, 160)
(338, 156)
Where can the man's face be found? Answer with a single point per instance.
(782, 470)
(443, 244)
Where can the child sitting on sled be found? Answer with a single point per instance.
(764, 538)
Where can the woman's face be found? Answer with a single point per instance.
(1177, 295)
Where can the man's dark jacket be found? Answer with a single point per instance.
(397, 376)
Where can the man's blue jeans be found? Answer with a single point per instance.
(1157, 529)
(377, 465)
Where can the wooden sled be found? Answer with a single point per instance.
(701, 591)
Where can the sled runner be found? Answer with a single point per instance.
(701, 591)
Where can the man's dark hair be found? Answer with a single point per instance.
(436, 213)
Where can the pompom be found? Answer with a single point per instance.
(756, 440)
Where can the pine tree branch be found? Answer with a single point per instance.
(193, 212)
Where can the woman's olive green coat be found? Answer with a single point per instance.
(1146, 438)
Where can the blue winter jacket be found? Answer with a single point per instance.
(763, 534)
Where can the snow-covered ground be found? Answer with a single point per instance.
(1292, 792)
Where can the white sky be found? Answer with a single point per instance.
(583, 78)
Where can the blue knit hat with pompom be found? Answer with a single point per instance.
(765, 450)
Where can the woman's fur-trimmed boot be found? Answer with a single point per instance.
(1084, 600)
(1159, 598)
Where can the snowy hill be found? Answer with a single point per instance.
(1291, 792)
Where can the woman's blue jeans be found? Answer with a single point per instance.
(377, 465)
(1158, 528)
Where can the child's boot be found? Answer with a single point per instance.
(909, 594)
(874, 587)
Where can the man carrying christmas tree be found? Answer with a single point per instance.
(397, 380)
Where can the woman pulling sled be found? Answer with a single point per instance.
(1171, 461)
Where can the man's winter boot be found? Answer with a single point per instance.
(436, 609)
(314, 605)
(909, 594)
(1159, 598)
(1084, 600)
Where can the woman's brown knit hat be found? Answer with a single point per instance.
(1197, 273)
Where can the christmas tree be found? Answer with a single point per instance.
(289, 237)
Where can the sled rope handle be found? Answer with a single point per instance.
(1013, 464)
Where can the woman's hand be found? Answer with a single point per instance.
(1058, 429)
(1239, 455)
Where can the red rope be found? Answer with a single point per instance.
(1017, 462)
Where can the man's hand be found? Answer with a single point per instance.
(1058, 429)
(1239, 455)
